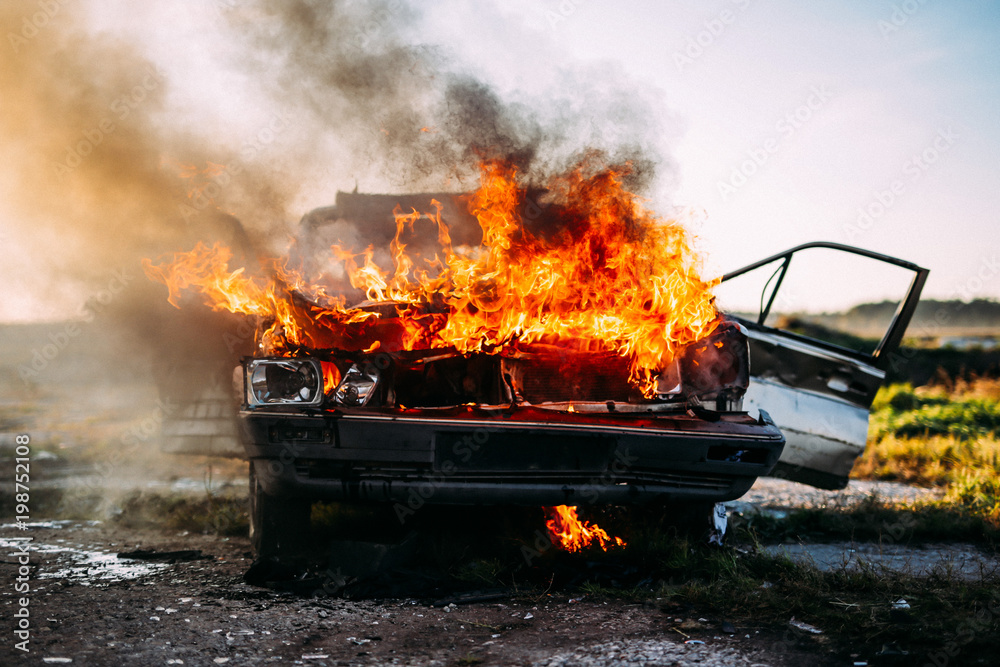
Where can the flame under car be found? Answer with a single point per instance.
(530, 425)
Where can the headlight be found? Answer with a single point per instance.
(718, 364)
(716, 368)
(357, 387)
(284, 382)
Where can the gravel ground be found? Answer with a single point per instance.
(646, 652)
(88, 606)
(773, 493)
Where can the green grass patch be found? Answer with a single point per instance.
(903, 412)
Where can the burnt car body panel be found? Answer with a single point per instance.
(820, 393)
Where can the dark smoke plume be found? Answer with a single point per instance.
(370, 103)
(398, 111)
(98, 174)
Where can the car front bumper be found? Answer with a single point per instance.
(525, 456)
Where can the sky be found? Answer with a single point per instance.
(795, 119)
(779, 123)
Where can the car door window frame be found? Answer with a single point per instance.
(893, 337)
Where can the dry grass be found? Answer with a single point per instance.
(933, 461)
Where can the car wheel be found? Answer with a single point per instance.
(278, 526)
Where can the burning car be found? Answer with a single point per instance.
(531, 425)
(560, 351)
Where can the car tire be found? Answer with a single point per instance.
(278, 526)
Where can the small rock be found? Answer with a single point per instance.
(804, 627)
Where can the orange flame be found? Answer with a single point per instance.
(571, 534)
(609, 276)
(331, 376)
(200, 183)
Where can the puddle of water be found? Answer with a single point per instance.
(83, 477)
(58, 523)
(83, 565)
(965, 561)
(188, 484)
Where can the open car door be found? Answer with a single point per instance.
(817, 384)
